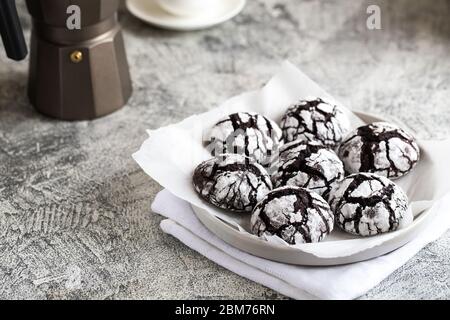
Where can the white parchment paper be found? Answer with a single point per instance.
(171, 154)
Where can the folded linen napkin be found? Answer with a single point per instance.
(298, 282)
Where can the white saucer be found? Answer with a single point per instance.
(149, 11)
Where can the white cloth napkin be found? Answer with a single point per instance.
(339, 282)
(171, 153)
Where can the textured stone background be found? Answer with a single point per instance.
(74, 208)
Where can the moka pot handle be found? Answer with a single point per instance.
(11, 31)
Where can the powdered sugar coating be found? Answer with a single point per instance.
(315, 119)
(296, 215)
(231, 181)
(367, 204)
(308, 165)
(381, 148)
(248, 134)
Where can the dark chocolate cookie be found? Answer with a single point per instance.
(381, 148)
(308, 165)
(367, 204)
(245, 133)
(232, 182)
(315, 120)
(296, 215)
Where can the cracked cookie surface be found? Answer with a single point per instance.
(231, 181)
(317, 120)
(246, 133)
(308, 165)
(296, 215)
(381, 148)
(367, 204)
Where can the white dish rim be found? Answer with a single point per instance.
(182, 23)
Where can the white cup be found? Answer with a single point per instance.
(188, 7)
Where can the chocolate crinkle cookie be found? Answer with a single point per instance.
(315, 120)
(246, 133)
(231, 181)
(381, 148)
(367, 204)
(296, 215)
(308, 165)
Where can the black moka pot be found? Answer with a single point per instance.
(75, 74)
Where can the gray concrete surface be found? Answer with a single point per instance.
(75, 221)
